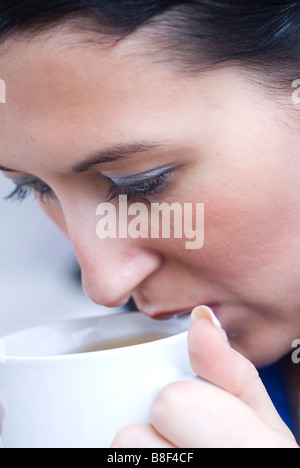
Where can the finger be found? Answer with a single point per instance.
(213, 359)
(140, 436)
(198, 415)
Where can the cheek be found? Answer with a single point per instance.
(248, 242)
(249, 214)
(245, 230)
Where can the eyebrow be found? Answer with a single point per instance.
(109, 155)
(115, 154)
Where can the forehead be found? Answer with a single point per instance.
(66, 94)
(61, 91)
(48, 72)
(51, 74)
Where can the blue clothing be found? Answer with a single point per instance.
(274, 381)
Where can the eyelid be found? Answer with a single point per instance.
(143, 177)
(26, 185)
(25, 180)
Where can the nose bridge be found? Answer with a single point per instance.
(112, 268)
(80, 222)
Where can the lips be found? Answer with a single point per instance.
(164, 315)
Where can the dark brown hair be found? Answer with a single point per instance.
(262, 34)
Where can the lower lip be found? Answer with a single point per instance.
(170, 315)
(216, 308)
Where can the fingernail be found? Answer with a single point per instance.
(204, 312)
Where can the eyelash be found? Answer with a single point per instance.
(25, 187)
(145, 190)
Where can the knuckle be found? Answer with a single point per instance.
(251, 374)
(124, 437)
(168, 399)
(171, 392)
(246, 381)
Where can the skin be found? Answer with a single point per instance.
(237, 151)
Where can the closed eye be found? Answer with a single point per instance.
(145, 189)
(24, 188)
(143, 186)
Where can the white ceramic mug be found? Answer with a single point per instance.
(51, 398)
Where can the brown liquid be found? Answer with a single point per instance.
(122, 343)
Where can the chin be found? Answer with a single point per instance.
(261, 354)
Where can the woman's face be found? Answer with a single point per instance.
(230, 147)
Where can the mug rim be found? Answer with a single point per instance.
(7, 359)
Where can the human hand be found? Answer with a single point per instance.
(230, 408)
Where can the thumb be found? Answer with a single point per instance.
(213, 359)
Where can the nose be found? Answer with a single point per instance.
(112, 269)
